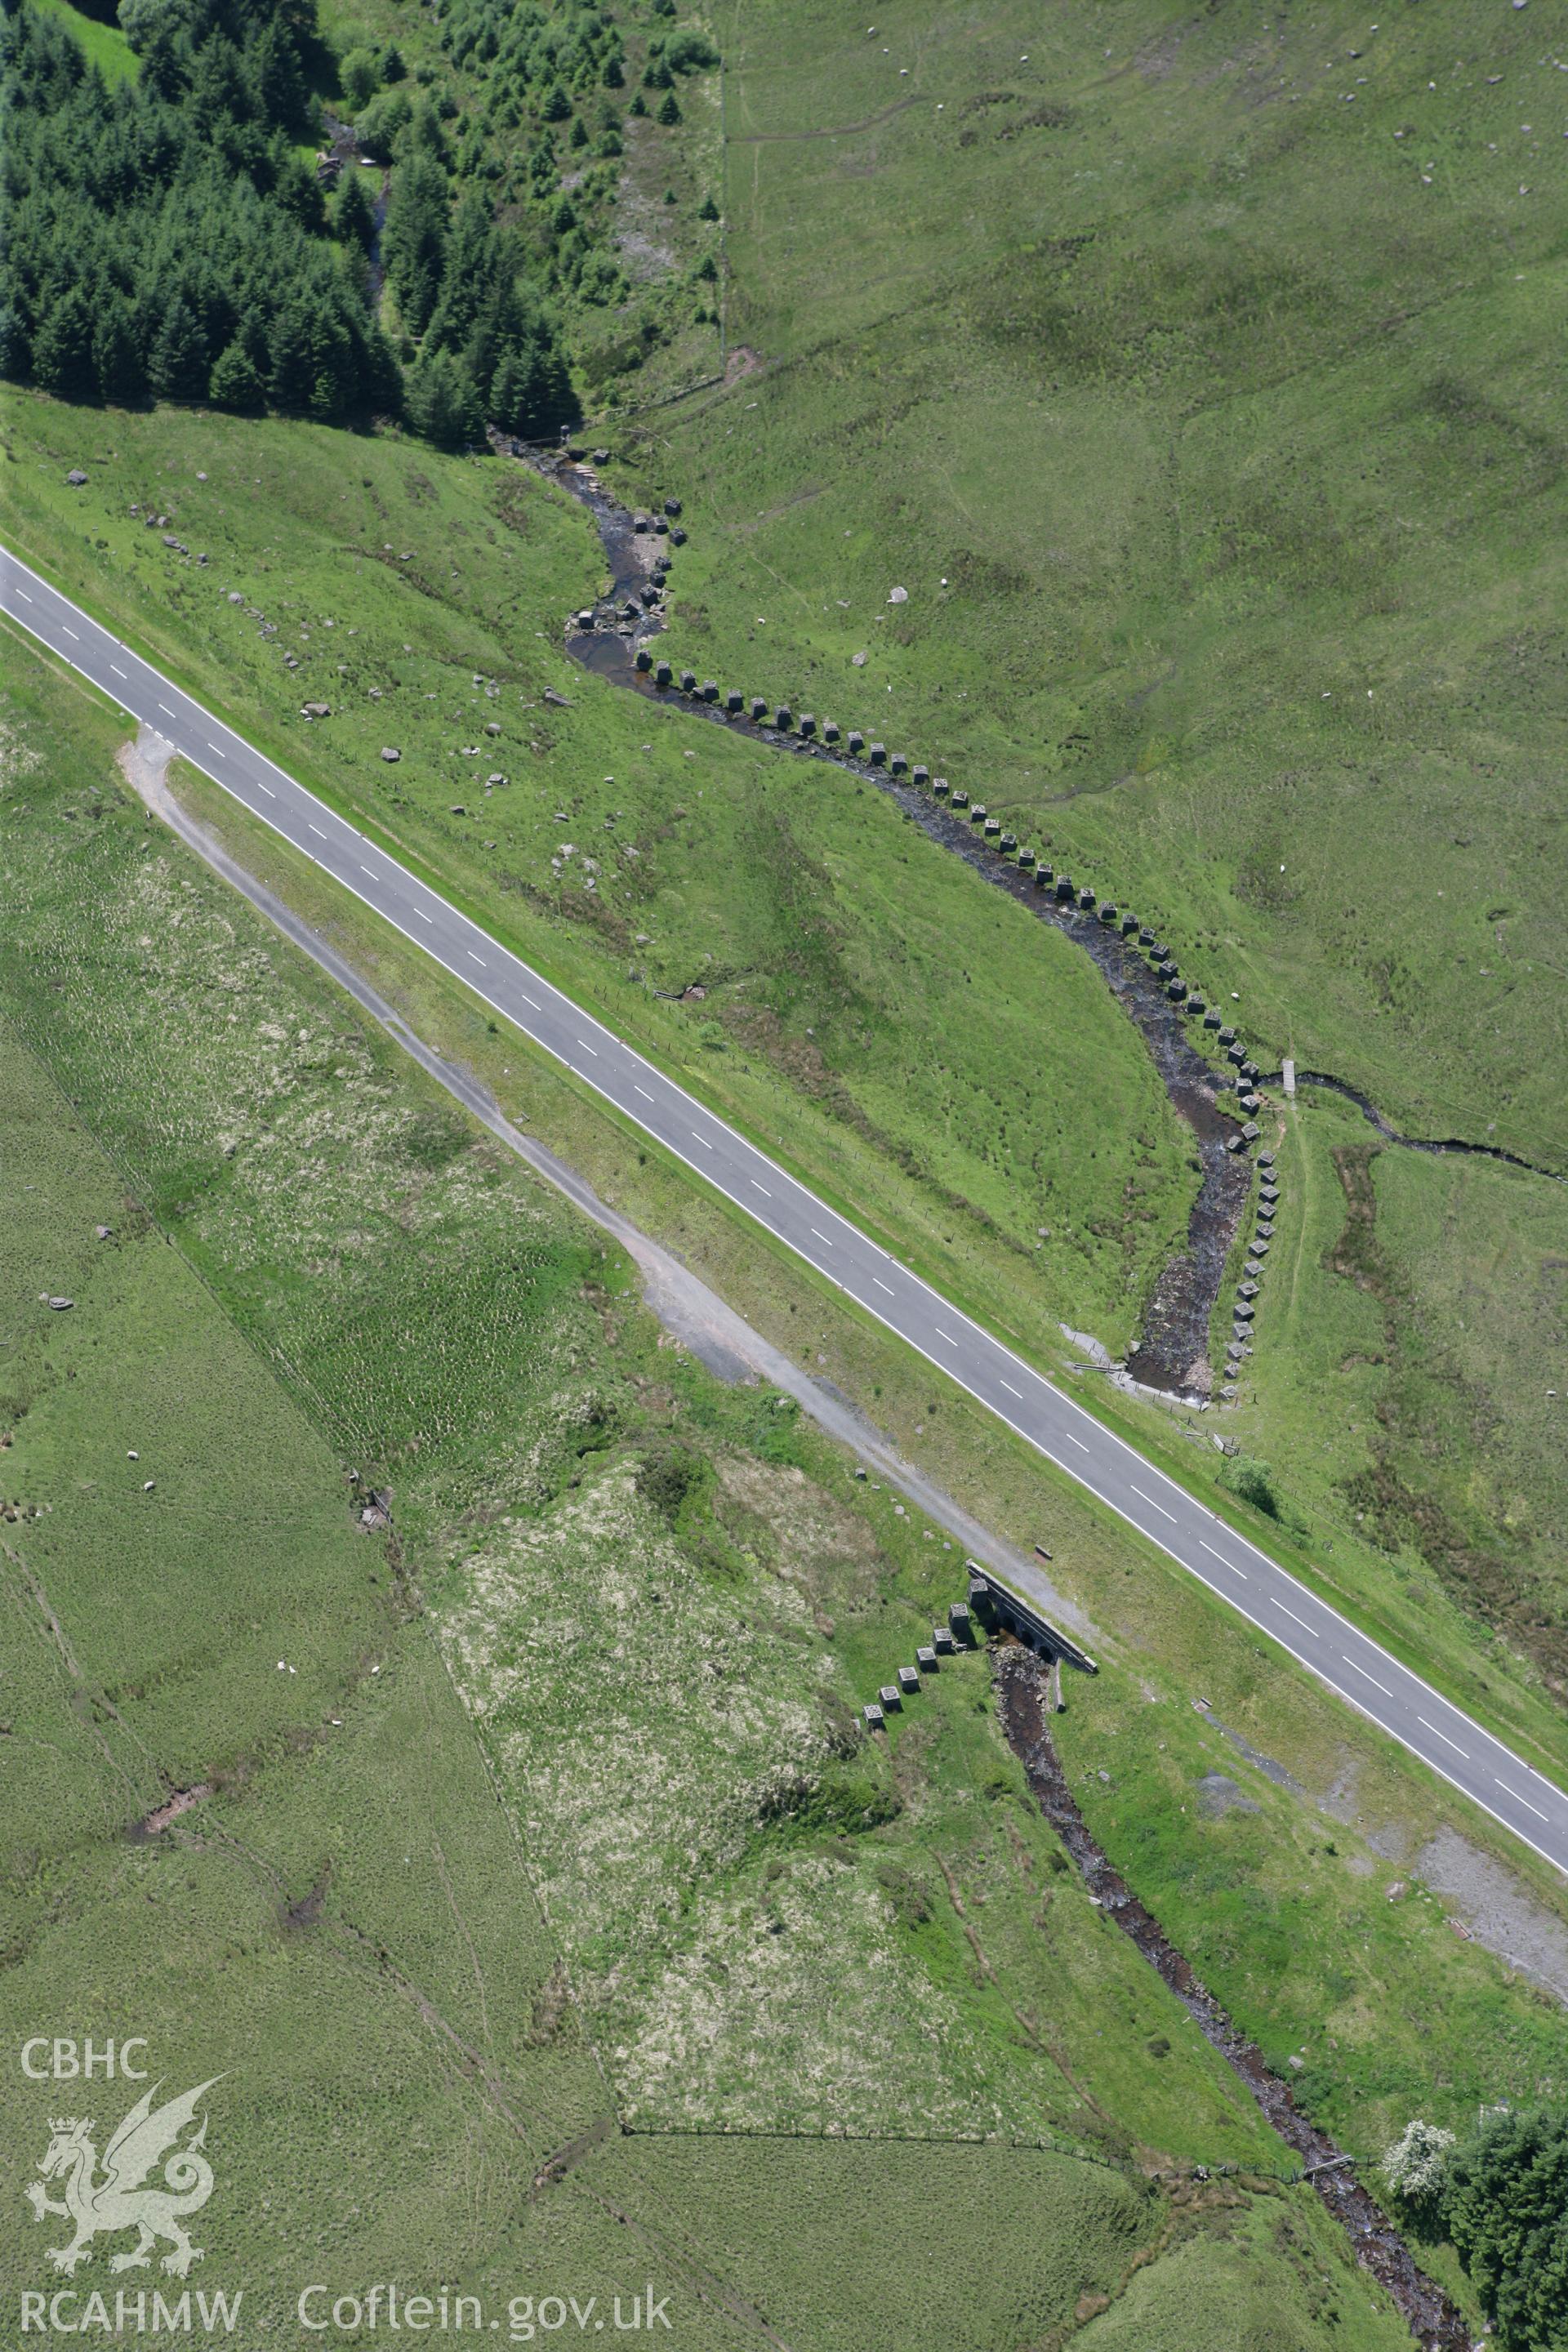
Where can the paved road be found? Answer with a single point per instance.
(1242, 1576)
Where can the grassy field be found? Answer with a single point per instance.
(346, 1884)
(713, 1926)
(1193, 376)
(1423, 1298)
(1245, 1890)
(1228, 587)
(104, 44)
(956, 1076)
(916, 1046)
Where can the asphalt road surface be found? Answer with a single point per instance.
(1375, 1684)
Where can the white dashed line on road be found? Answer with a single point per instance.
(1444, 1738)
(396, 892)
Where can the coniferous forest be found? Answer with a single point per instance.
(170, 237)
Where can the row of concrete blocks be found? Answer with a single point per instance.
(1062, 886)
(1244, 1310)
(957, 1635)
(1189, 1001)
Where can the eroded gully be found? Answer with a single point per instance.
(1170, 1353)
(1021, 1692)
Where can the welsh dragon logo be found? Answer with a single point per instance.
(123, 2198)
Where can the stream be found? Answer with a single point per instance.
(1023, 1703)
(1171, 1352)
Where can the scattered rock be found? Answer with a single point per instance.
(387, 753)
(897, 597)
(315, 710)
(76, 477)
(558, 700)
(60, 1304)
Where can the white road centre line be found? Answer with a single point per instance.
(883, 1285)
(525, 996)
(484, 966)
(1444, 1738)
(641, 1091)
(949, 1338)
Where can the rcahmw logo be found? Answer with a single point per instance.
(153, 2176)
